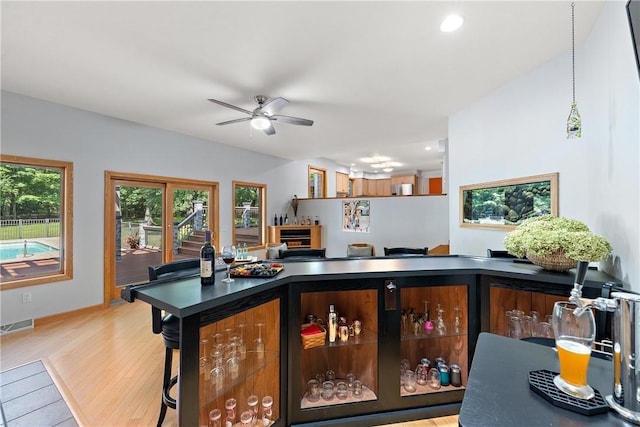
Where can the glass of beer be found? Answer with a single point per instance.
(574, 334)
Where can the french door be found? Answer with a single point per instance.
(151, 220)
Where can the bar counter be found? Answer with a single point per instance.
(196, 305)
(498, 391)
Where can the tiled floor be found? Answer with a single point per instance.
(29, 397)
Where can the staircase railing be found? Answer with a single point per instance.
(195, 221)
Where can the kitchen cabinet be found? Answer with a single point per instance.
(342, 184)
(383, 187)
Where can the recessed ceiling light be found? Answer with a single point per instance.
(451, 23)
(427, 148)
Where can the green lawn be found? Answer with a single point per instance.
(31, 231)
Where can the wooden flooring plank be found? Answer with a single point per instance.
(108, 365)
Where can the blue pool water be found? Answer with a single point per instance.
(9, 251)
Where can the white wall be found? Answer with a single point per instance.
(415, 221)
(96, 143)
(519, 130)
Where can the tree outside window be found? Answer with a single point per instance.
(249, 214)
(35, 221)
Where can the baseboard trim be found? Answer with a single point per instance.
(67, 314)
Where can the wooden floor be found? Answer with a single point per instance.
(108, 366)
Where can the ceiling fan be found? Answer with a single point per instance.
(262, 116)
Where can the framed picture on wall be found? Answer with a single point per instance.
(506, 203)
(356, 215)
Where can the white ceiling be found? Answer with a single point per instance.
(378, 78)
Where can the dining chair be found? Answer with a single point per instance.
(360, 250)
(406, 251)
(303, 253)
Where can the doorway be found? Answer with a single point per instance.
(151, 220)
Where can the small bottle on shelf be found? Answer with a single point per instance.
(332, 321)
(207, 255)
(286, 219)
(275, 219)
(280, 219)
(317, 220)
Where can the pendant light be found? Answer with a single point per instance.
(574, 123)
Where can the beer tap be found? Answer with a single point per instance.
(583, 304)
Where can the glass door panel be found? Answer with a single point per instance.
(352, 357)
(138, 230)
(434, 332)
(190, 214)
(240, 359)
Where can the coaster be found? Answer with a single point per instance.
(542, 383)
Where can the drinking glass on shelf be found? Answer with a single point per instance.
(228, 256)
(246, 419)
(242, 345)
(515, 327)
(267, 411)
(409, 381)
(313, 391)
(357, 389)
(252, 405)
(230, 408)
(575, 333)
(259, 342)
(440, 326)
(215, 418)
(457, 323)
(434, 379)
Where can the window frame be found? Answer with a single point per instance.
(323, 187)
(262, 233)
(66, 222)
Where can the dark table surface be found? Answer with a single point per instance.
(185, 297)
(498, 393)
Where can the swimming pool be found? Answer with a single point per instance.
(9, 251)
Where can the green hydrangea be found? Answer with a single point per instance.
(544, 235)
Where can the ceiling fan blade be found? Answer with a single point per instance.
(270, 130)
(292, 120)
(228, 122)
(233, 107)
(274, 106)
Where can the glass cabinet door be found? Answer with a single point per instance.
(240, 367)
(343, 370)
(434, 339)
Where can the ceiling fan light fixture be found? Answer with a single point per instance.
(388, 170)
(260, 122)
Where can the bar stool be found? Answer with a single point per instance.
(169, 326)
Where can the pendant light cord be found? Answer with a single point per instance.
(573, 52)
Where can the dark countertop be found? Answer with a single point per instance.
(497, 393)
(186, 297)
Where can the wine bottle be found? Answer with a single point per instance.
(275, 219)
(207, 256)
(286, 219)
(280, 219)
(332, 321)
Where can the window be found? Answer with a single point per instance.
(36, 213)
(249, 214)
(317, 183)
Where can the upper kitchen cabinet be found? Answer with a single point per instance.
(342, 185)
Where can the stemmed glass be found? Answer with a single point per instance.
(259, 342)
(228, 256)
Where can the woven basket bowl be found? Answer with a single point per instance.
(555, 261)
